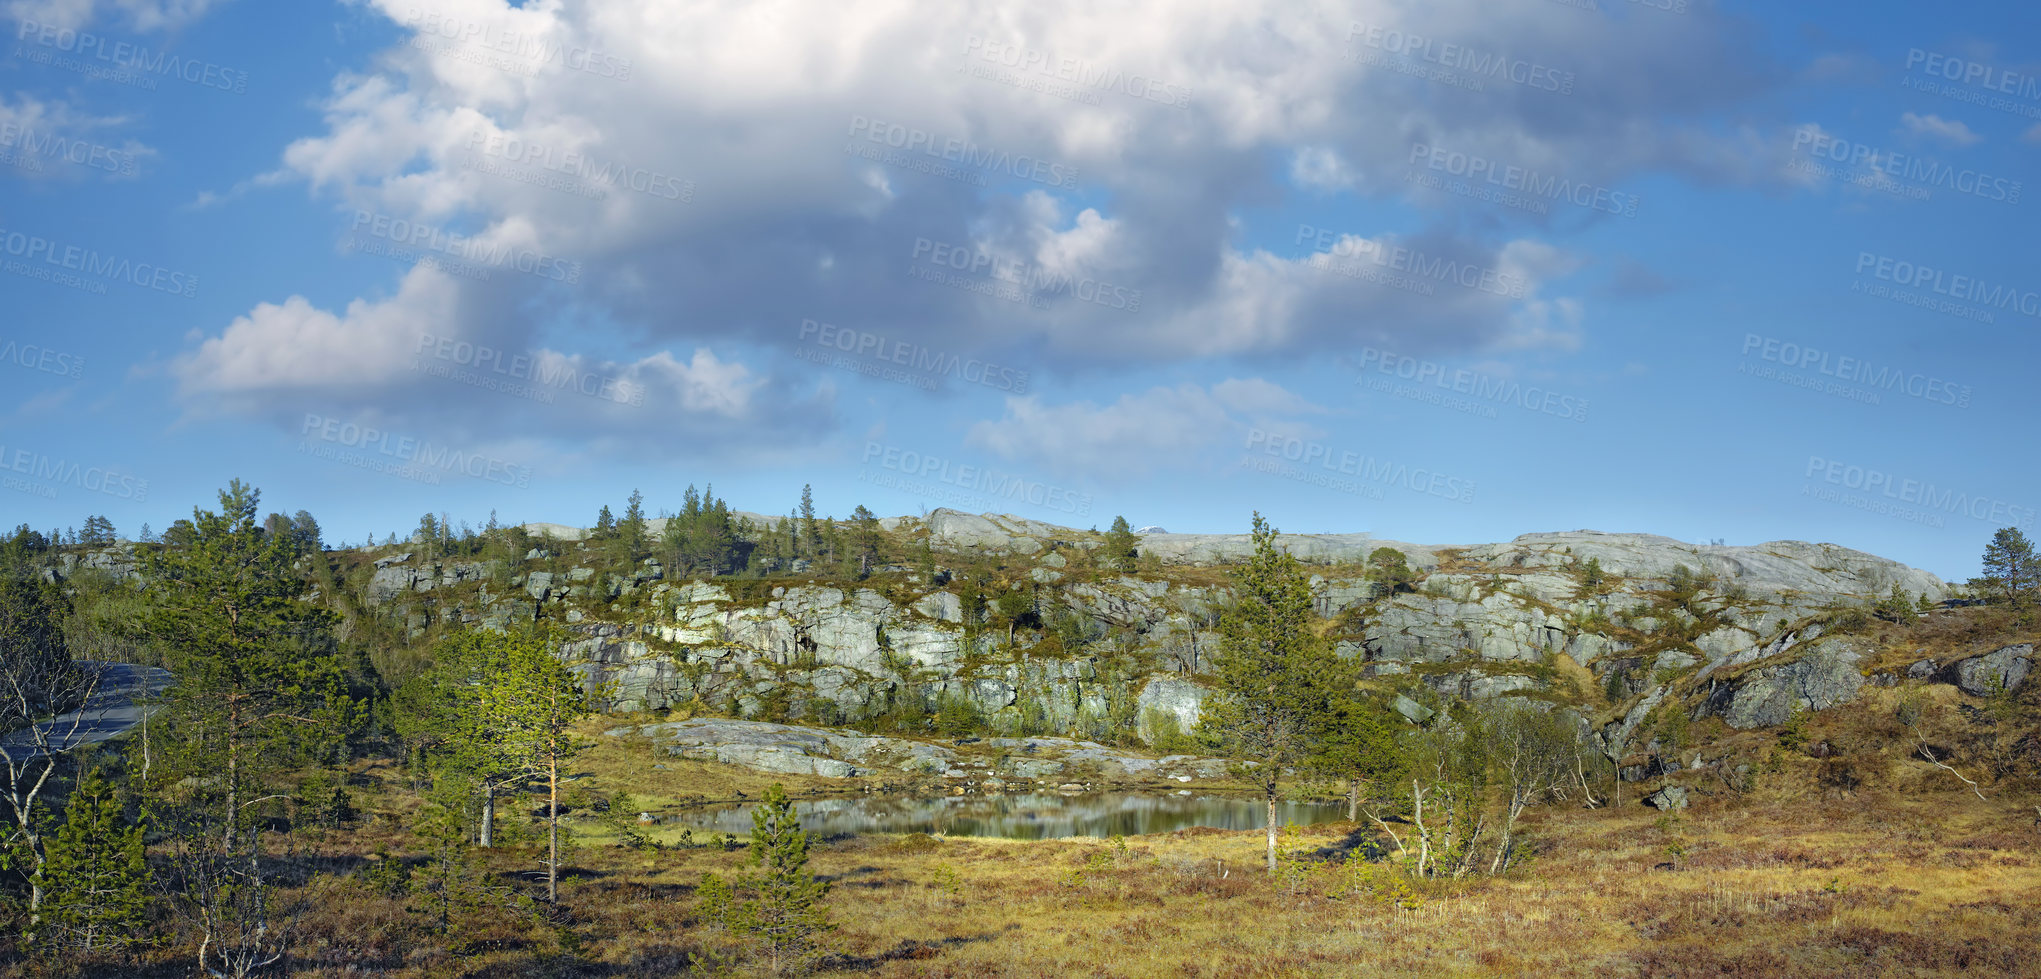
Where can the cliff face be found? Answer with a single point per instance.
(1518, 618)
(1736, 631)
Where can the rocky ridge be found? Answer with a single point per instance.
(1735, 631)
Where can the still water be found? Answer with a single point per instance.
(1038, 816)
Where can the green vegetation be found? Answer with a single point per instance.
(1279, 680)
(339, 787)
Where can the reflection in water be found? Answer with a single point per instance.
(1026, 817)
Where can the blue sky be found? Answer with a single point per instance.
(1442, 272)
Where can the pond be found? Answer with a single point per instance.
(1036, 816)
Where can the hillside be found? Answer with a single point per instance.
(1013, 627)
(1786, 759)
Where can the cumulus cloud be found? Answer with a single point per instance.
(406, 360)
(719, 187)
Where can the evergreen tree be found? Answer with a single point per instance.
(632, 529)
(1896, 606)
(98, 532)
(832, 549)
(449, 885)
(1356, 741)
(1592, 578)
(1391, 569)
(438, 714)
(701, 538)
(26, 541)
(32, 614)
(529, 701)
(719, 533)
(37, 680)
(259, 682)
(865, 538)
(428, 534)
(305, 530)
(605, 525)
(2011, 567)
(1279, 679)
(676, 541)
(811, 535)
(787, 917)
(95, 881)
(1119, 550)
(784, 544)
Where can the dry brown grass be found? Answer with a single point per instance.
(1909, 877)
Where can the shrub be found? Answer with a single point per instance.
(1165, 732)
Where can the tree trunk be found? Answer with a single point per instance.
(553, 830)
(488, 833)
(35, 901)
(1353, 800)
(1272, 833)
(233, 771)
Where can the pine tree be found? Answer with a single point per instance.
(1591, 576)
(832, 549)
(448, 885)
(2010, 565)
(811, 535)
(98, 532)
(785, 544)
(1279, 678)
(1896, 606)
(1120, 544)
(305, 529)
(260, 687)
(428, 530)
(528, 702)
(865, 538)
(632, 529)
(787, 917)
(1356, 741)
(605, 525)
(1391, 569)
(37, 680)
(95, 881)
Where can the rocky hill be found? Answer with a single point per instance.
(1609, 626)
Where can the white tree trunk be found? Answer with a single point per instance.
(1272, 833)
(488, 833)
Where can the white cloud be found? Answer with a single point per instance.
(1952, 131)
(66, 143)
(385, 357)
(783, 224)
(1162, 428)
(1320, 168)
(137, 15)
(293, 346)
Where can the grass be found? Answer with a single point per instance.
(1909, 876)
